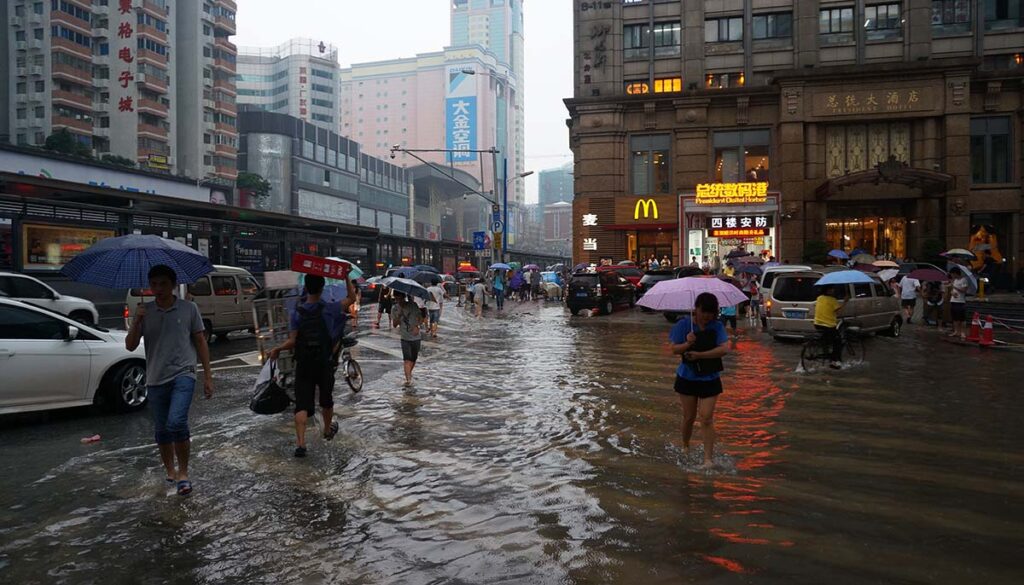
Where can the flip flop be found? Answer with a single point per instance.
(184, 487)
(332, 431)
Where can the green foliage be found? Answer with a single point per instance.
(816, 252)
(120, 161)
(256, 185)
(65, 142)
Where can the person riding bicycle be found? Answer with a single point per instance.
(316, 329)
(826, 308)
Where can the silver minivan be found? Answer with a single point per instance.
(224, 297)
(871, 306)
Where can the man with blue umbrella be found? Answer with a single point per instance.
(173, 330)
(826, 321)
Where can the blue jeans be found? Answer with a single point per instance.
(499, 296)
(170, 403)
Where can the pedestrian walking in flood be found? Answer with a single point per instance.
(409, 319)
(435, 305)
(479, 295)
(174, 334)
(535, 284)
(316, 328)
(909, 289)
(499, 289)
(384, 303)
(701, 342)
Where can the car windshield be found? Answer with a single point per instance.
(628, 271)
(584, 279)
(798, 289)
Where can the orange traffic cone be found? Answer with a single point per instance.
(987, 339)
(975, 335)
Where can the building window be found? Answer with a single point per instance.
(667, 39)
(991, 152)
(723, 30)
(649, 164)
(1003, 14)
(662, 85)
(635, 41)
(723, 80)
(883, 21)
(836, 20)
(951, 17)
(742, 157)
(773, 26)
(858, 147)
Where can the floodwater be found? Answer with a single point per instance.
(541, 448)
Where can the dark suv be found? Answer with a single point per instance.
(652, 277)
(600, 290)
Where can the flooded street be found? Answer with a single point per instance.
(536, 447)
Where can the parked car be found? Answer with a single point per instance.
(764, 287)
(49, 360)
(630, 273)
(31, 290)
(684, 271)
(652, 277)
(224, 297)
(908, 267)
(599, 290)
(871, 307)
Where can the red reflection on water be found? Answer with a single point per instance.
(726, 564)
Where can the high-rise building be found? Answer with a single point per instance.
(126, 77)
(789, 128)
(554, 185)
(300, 78)
(497, 26)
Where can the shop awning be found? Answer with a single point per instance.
(893, 172)
(640, 227)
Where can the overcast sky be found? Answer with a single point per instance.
(387, 29)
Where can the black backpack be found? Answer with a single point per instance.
(313, 343)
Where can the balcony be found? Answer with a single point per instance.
(155, 9)
(70, 22)
(229, 173)
(151, 32)
(225, 45)
(147, 56)
(151, 82)
(225, 107)
(77, 126)
(225, 86)
(151, 131)
(229, 4)
(72, 99)
(69, 73)
(224, 65)
(225, 24)
(225, 150)
(152, 107)
(226, 129)
(70, 47)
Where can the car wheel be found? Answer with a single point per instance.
(607, 307)
(126, 388)
(83, 317)
(895, 328)
(632, 301)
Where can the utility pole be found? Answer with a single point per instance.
(504, 197)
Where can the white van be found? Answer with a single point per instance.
(764, 287)
(224, 297)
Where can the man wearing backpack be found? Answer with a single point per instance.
(316, 327)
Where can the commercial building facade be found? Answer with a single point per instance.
(889, 127)
(554, 185)
(300, 78)
(127, 77)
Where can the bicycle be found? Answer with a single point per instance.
(349, 366)
(817, 352)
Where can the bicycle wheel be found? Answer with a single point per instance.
(354, 375)
(812, 358)
(853, 351)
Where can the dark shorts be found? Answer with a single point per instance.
(384, 307)
(908, 302)
(730, 319)
(698, 388)
(410, 350)
(309, 379)
(434, 315)
(958, 311)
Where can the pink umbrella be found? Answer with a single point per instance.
(679, 295)
(866, 267)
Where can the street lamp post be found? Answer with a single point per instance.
(504, 195)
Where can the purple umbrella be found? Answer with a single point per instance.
(531, 267)
(929, 275)
(678, 295)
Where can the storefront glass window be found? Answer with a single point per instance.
(880, 236)
(990, 150)
(858, 147)
(742, 156)
(650, 170)
(50, 247)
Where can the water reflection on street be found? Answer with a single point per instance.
(537, 447)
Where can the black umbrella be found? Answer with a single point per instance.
(428, 278)
(738, 254)
(406, 286)
(426, 268)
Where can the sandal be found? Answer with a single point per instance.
(332, 431)
(184, 487)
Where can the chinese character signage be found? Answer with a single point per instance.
(307, 264)
(589, 219)
(590, 244)
(743, 221)
(738, 233)
(460, 116)
(878, 101)
(731, 193)
(125, 56)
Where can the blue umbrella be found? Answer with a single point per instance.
(500, 266)
(972, 281)
(405, 272)
(749, 269)
(844, 277)
(124, 262)
(406, 286)
(839, 254)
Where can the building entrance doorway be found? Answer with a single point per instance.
(641, 245)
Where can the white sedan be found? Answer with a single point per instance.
(50, 361)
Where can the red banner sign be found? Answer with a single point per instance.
(307, 264)
(739, 233)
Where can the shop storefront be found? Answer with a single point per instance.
(50, 247)
(721, 217)
(630, 228)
